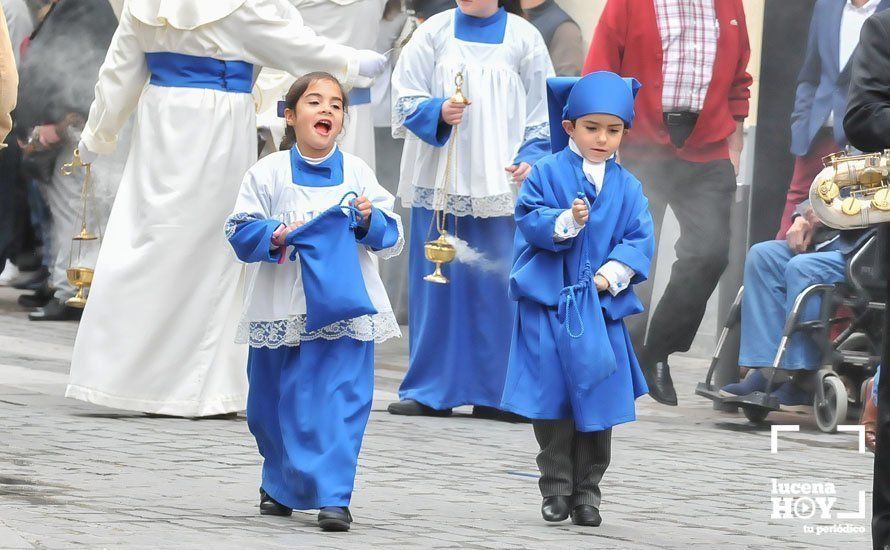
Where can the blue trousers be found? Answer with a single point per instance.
(460, 332)
(307, 407)
(774, 277)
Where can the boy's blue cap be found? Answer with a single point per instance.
(569, 98)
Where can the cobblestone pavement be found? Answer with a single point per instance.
(77, 475)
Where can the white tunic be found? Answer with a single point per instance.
(275, 303)
(507, 86)
(157, 334)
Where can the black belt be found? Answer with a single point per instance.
(679, 126)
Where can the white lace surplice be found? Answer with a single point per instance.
(275, 303)
(507, 86)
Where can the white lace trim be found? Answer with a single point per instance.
(538, 131)
(396, 249)
(375, 328)
(235, 220)
(404, 107)
(463, 205)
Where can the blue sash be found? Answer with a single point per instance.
(177, 70)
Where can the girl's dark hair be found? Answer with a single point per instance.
(512, 6)
(294, 94)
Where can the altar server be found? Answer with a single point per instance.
(312, 325)
(157, 333)
(584, 239)
(460, 332)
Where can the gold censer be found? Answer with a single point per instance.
(440, 251)
(78, 274)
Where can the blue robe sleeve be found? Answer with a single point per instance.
(536, 211)
(426, 122)
(637, 246)
(532, 150)
(251, 240)
(382, 233)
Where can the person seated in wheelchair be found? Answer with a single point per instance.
(776, 272)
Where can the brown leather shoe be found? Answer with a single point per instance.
(869, 417)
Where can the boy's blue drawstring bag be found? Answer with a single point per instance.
(329, 265)
(582, 341)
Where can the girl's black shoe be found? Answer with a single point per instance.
(334, 518)
(271, 507)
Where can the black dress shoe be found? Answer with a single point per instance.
(585, 514)
(56, 311)
(334, 518)
(40, 298)
(661, 387)
(271, 507)
(491, 413)
(556, 508)
(409, 407)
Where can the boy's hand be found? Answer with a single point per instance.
(519, 171)
(453, 113)
(600, 282)
(580, 211)
(364, 210)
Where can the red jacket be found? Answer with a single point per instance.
(627, 41)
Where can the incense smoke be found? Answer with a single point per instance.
(468, 255)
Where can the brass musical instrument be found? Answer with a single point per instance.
(441, 251)
(852, 191)
(78, 274)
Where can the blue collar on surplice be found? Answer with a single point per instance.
(327, 173)
(329, 267)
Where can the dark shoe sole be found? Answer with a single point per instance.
(275, 511)
(421, 410)
(663, 401)
(333, 525)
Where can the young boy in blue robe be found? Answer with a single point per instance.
(578, 205)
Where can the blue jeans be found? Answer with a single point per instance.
(774, 277)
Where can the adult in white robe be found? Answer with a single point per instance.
(353, 23)
(157, 333)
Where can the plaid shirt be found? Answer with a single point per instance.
(689, 32)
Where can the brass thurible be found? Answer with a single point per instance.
(852, 191)
(440, 251)
(79, 275)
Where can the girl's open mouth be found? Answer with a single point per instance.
(323, 126)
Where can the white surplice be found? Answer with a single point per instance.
(157, 333)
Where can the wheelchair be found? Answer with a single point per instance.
(849, 330)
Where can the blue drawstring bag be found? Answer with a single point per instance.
(329, 265)
(582, 342)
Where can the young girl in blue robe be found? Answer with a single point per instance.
(308, 219)
(572, 368)
(459, 333)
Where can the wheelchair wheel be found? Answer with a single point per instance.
(833, 410)
(755, 415)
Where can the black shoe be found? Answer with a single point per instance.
(40, 298)
(585, 514)
(56, 311)
(271, 507)
(334, 518)
(661, 387)
(491, 413)
(556, 508)
(30, 280)
(409, 407)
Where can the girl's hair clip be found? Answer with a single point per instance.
(282, 105)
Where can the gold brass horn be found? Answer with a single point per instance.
(78, 274)
(852, 191)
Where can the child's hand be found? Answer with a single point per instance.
(453, 113)
(580, 211)
(281, 238)
(600, 282)
(364, 210)
(520, 171)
